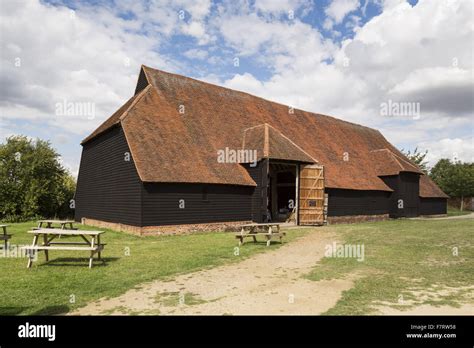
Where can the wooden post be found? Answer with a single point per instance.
(92, 252)
(45, 243)
(297, 196)
(98, 243)
(30, 258)
(274, 188)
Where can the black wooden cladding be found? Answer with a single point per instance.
(357, 202)
(108, 186)
(433, 206)
(406, 189)
(202, 203)
(259, 174)
(142, 82)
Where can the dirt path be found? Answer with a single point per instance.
(466, 216)
(268, 283)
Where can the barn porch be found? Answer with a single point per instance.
(295, 193)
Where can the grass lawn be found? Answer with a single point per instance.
(66, 282)
(406, 263)
(456, 212)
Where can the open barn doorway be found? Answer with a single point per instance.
(282, 196)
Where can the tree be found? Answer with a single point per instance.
(455, 178)
(418, 158)
(32, 180)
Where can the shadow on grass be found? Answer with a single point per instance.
(52, 310)
(12, 310)
(78, 262)
(262, 243)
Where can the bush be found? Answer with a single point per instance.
(33, 183)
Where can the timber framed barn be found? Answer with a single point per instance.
(183, 154)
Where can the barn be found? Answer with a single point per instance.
(183, 154)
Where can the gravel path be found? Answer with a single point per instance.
(267, 283)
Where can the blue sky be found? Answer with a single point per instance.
(345, 58)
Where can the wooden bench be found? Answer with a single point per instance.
(62, 224)
(249, 231)
(93, 245)
(5, 236)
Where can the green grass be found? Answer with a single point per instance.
(456, 212)
(402, 258)
(48, 287)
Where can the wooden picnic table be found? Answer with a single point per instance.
(62, 224)
(250, 230)
(90, 242)
(5, 236)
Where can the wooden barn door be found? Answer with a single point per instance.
(311, 195)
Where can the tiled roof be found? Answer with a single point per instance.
(389, 163)
(271, 143)
(176, 126)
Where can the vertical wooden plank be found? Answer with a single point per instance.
(311, 195)
(297, 197)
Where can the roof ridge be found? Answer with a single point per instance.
(397, 158)
(407, 161)
(137, 99)
(292, 142)
(266, 141)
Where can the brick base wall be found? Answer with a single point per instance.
(166, 230)
(434, 216)
(351, 219)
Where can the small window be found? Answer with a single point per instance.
(312, 203)
(204, 193)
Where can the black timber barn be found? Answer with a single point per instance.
(185, 152)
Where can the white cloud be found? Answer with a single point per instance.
(339, 9)
(280, 6)
(453, 149)
(51, 53)
(196, 54)
(197, 30)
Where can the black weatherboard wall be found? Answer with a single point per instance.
(108, 186)
(357, 202)
(406, 190)
(203, 203)
(433, 206)
(259, 174)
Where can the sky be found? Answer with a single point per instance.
(402, 67)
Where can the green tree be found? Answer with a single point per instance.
(33, 182)
(455, 178)
(418, 158)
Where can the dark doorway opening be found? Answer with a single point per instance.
(281, 191)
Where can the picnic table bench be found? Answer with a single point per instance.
(93, 245)
(62, 224)
(4, 236)
(250, 230)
